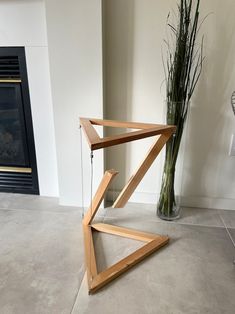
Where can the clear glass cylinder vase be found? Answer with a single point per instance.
(168, 207)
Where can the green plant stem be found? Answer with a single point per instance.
(167, 200)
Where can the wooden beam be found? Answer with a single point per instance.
(90, 132)
(127, 137)
(135, 179)
(124, 232)
(89, 254)
(98, 198)
(125, 124)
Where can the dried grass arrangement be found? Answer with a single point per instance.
(182, 65)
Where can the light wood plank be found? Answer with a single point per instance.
(98, 198)
(90, 132)
(141, 171)
(119, 268)
(125, 124)
(89, 254)
(124, 232)
(129, 137)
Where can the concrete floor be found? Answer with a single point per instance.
(42, 270)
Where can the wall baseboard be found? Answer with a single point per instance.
(186, 201)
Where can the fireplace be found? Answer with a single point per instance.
(18, 168)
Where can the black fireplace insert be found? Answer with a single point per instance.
(18, 167)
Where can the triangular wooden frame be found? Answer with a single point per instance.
(144, 130)
(154, 242)
(97, 280)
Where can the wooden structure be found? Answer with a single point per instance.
(152, 241)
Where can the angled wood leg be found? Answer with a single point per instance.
(99, 196)
(135, 179)
(91, 267)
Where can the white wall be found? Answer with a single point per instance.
(209, 173)
(75, 53)
(134, 33)
(22, 23)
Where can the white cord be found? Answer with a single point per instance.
(91, 186)
(82, 176)
(91, 183)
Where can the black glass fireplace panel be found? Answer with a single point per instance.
(13, 144)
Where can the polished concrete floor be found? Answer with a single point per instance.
(42, 269)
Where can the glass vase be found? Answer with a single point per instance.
(168, 207)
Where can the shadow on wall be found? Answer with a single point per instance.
(118, 76)
(207, 167)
